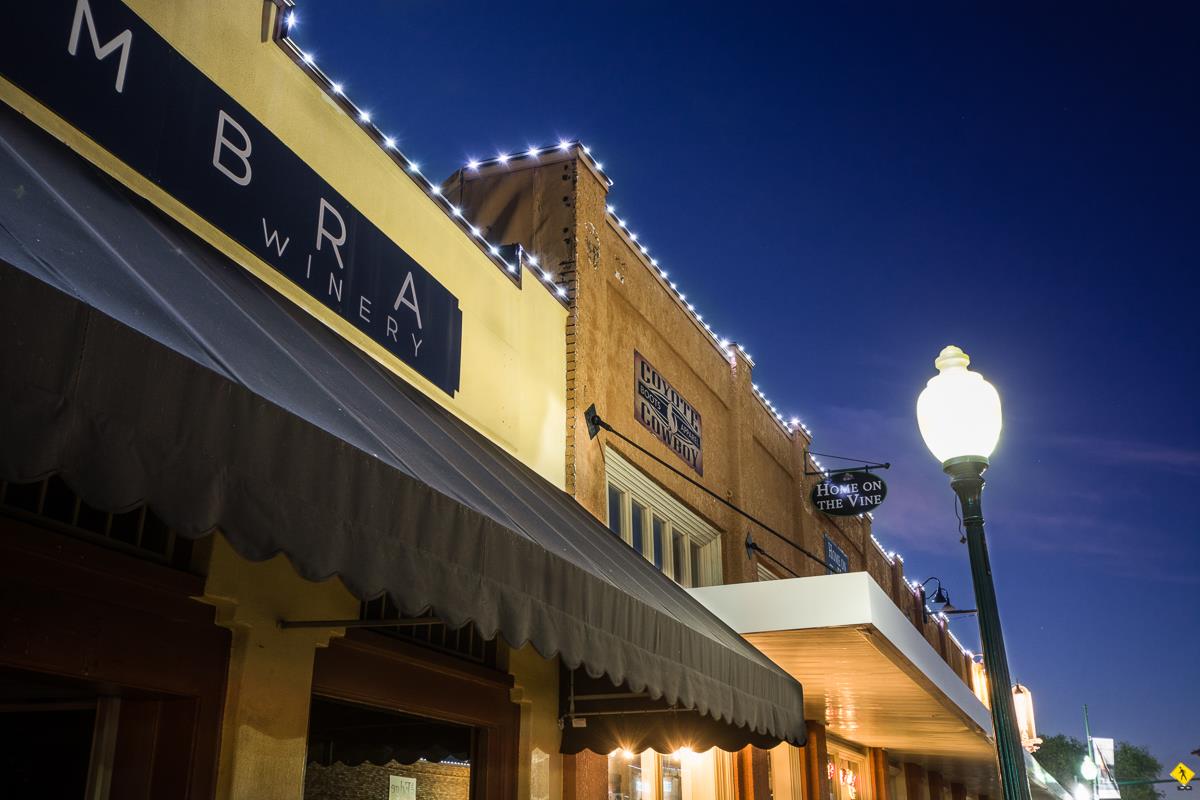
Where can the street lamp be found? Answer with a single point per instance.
(959, 416)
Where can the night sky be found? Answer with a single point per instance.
(844, 192)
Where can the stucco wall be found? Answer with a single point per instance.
(512, 385)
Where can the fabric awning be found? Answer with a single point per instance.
(144, 366)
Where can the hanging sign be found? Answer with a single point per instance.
(1106, 780)
(836, 560)
(846, 494)
(100, 67)
(666, 414)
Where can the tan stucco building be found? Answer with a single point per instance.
(282, 507)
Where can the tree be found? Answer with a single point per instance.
(1135, 763)
(1061, 756)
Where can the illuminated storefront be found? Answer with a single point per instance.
(281, 507)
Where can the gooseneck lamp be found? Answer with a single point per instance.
(959, 416)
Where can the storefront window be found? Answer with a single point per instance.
(672, 778)
(625, 779)
(615, 503)
(360, 751)
(656, 542)
(678, 546)
(845, 775)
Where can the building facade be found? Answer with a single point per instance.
(672, 444)
(282, 472)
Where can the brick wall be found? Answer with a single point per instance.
(370, 782)
(556, 207)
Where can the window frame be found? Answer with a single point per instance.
(634, 486)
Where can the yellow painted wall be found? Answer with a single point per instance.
(513, 384)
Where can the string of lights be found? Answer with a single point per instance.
(412, 168)
(336, 90)
(723, 344)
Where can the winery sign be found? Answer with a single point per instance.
(100, 67)
(846, 494)
(666, 414)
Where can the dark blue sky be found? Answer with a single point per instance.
(846, 191)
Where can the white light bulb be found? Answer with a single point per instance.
(532, 152)
(338, 88)
(473, 164)
(610, 209)
(475, 231)
(502, 158)
(546, 276)
(389, 142)
(564, 145)
(958, 412)
(532, 259)
(364, 116)
(291, 19)
(633, 237)
(456, 211)
(511, 267)
(436, 191)
(415, 167)
(308, 58)
(494, 250)
(561, 292)
(599, 166)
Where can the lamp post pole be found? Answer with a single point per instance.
(966, 478)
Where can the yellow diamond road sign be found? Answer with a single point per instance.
(1182, 773)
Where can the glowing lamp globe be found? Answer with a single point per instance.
(958, 411)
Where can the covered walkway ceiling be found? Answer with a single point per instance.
(868, 674)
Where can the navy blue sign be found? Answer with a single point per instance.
(846, 494)
(836, 560)
(666, 414)
(101, 68)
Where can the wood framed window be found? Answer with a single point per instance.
(669, 534)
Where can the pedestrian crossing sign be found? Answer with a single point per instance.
(1182, 773)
